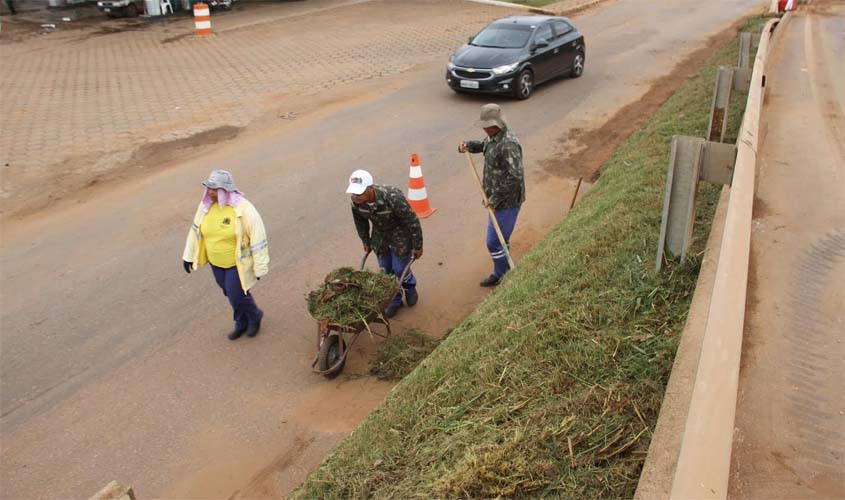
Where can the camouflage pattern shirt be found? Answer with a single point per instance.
(504, 176)
(394, 225)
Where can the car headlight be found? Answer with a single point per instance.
(450, 65)
(501, 70)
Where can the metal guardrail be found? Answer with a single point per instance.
(705, 456)
(693, 159)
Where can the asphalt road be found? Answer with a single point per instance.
(115, 363)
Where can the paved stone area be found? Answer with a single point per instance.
(78, 103)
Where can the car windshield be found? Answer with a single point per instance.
(503, 37)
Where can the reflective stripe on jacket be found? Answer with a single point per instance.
(252, 252)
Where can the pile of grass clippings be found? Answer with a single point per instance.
(400, 354)
(348, 296)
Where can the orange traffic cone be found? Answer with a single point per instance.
(417, 196)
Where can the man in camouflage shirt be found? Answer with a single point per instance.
(396, 231)
(504, 182)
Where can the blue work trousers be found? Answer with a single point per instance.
(507, 221)
(391, 263)
(245, 311)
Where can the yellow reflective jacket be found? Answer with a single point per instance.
(252, 253)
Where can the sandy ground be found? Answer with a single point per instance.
(790, 428)
(114, 362)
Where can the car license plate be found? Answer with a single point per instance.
(469, 84)
(106, 10)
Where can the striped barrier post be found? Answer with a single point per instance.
(202, 19)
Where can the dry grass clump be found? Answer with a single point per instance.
(399, 354)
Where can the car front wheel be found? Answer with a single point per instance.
(524, 84)
(578, 64)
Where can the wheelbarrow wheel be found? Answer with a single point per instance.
(330, 351)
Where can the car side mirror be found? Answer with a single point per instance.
(469, 40)
(539, 44)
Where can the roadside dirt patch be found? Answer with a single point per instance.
(110, 29)
(572, 7)
(161, 152)
(261, 485)
(583, 153)
(17, 30)
(176, 38)
(78, 176)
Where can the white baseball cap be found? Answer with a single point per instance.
(359, 181)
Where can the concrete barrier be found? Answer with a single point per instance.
(704, 459)
(659, 468)
(708, 448)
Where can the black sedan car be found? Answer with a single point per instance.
(514, 54)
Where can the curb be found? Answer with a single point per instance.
(509, 5)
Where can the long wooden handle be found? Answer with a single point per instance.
(471, 165)
(574, 196)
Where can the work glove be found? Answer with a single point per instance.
(187, 265)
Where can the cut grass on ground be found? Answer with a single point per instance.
(400, 354)
(552, 387)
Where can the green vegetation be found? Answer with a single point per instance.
(348, 296)
(400, 354)
(552, 387)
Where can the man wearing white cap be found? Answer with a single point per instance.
(387, 225)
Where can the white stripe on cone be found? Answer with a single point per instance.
(203, 25)
(201, 12)
(416, 172)
(417, 194)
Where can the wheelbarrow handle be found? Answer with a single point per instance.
(406, 271)
(364, 260)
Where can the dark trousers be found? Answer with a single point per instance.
(246, 312)
(391, 263)
(507, 221)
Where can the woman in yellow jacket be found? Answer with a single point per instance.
(228, 233)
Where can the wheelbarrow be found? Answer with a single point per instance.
(334, 341)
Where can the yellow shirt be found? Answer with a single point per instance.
(218, 229)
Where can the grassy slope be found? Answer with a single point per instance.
(552, 386)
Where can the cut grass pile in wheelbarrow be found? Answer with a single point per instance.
(400, 354)
(348, 296)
